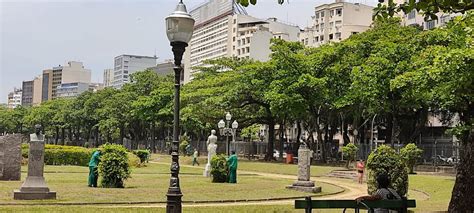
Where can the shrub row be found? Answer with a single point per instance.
(71, 155)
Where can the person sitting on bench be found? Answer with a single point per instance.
(383, 193)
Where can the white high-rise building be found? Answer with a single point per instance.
(108, 77)
(223, 29)
(416, 19)
(335, 22)
(124, 65)
(14, 98)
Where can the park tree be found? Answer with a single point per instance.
(442, 74)
(410, 155)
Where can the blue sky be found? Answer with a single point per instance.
(40, 34)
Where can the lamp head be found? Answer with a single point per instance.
(228, 116)
(221, 124)
(179, 25)
(235, 125)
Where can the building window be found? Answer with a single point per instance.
(338, 36)
(430, 24)
(235, 21)
(317, 15)
(322, 26)
(321, 38)
(233, 38)
(322, 14)
(338, 23)
(353, 33)
(331, 13)
(339, 12)
(331, 36)
(412, 14)
(247, 49)
(316, 39)
(331, 24)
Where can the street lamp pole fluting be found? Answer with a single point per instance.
(179, 29)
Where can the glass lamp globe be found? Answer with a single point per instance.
(235, 125)
(221, 124)
(228, 116)
(179, 25)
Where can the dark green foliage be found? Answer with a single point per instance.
(410, 155)
(384, 160)
(219, 169)
(113, 167)
(144, 155)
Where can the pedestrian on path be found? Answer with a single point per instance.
(195, 157)
(360, 170)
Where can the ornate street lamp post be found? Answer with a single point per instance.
(225, 130)
(179, 29)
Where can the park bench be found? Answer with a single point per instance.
(309, 204)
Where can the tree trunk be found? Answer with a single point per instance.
(463, 193)
(271, 140)
(56, 138)
(282, 135)
(389, 130)
(153, 141)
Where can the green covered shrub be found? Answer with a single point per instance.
(410, 155)
(143, 154)
(114, 167)
(385, 160)
(219, 169)
(350, 152)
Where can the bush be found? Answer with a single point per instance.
(62, 155)
(114, 167)
(133, 160)
(144, 155)
(410, 155)
(385, 160)
(350, 152)
(182, 146)
(219, 169)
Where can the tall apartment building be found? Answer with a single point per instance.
(47, 85)
(73, 72)
(14, 98)
(416, 19)
(27, 93)
(108, 77)
(124, 65)
(223, 29)
(32, 92)
(335, 22)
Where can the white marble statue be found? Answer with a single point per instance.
(211, 151)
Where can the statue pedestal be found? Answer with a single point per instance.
(304, 183)
(207, 170)
(34, 187)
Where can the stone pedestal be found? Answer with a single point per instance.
(34, 187)
(10, 157)
(304, 172)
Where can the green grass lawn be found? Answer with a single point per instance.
(149, 184)
(438, 187)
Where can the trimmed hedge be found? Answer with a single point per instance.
(71, 155)
(63, 155)
(143, 154)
